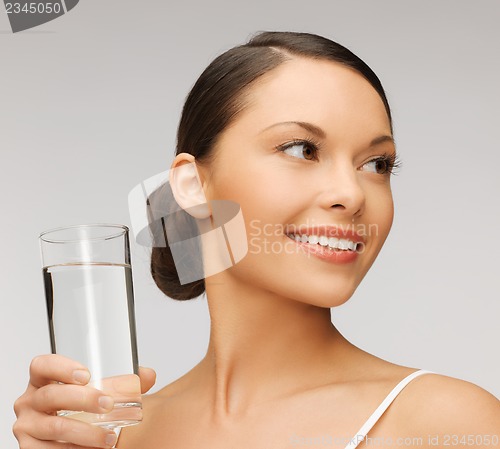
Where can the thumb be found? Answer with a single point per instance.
(148, 378)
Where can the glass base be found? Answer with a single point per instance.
(124, 414)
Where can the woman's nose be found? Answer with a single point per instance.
(341, 191)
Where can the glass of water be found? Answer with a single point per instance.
(90, 303)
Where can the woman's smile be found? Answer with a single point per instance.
(329, 243)
(332, 250)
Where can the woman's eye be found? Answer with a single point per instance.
(383, 165)
(300, 149)
(376, 166)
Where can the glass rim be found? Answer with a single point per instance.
(123, 230)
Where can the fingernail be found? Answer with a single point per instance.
(81, 376)
(106, 402)
(110, 439)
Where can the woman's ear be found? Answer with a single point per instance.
(187, 187)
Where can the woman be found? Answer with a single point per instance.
(296, 130)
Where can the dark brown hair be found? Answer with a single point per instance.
(216, 99)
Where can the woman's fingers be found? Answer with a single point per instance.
(58, 429)
(31, 443)
(53, 397)
(36, 444)
(59, 383)
(148, 378)
(45, 369)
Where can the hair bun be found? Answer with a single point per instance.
(166, 278)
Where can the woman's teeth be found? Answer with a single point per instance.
(331, 242)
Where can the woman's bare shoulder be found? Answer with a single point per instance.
(439, 404)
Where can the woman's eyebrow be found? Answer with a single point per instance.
(307, 126)
(382, 139)
(320, 133)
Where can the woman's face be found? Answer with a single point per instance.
(300, 160)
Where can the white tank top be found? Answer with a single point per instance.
(379, 411)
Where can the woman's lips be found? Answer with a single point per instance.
(327, 254)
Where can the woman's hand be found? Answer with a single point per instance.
(38, 425)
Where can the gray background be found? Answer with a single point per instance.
(89, 106)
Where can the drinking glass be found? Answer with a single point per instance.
(90, 303)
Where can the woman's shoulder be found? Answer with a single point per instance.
(439, 404)
(431, 403)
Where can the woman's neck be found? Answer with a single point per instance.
(263, 347)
